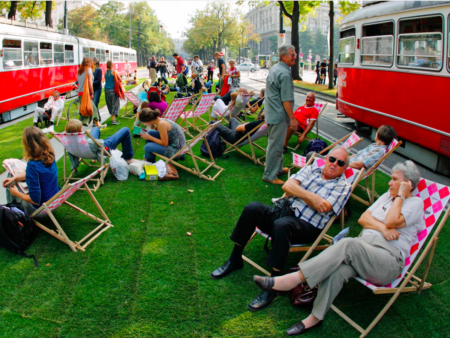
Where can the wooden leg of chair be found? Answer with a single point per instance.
(52, 232)
(61, 231)
(342, 219)
(249, 261)
(372, 193)
(99, 207)
(427, 268)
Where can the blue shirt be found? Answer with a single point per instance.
(109, 80)
(97, 79)
(370, 155)
(42, 181)
(279, 89)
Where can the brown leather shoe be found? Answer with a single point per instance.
(284, 172)
(277, 181)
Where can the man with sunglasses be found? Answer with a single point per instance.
(316, 194)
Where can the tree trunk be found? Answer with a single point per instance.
(331, 33)
(48, 14)
(294, 41)
(13, 10)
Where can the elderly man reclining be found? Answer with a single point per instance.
(54, 105)
(235, 99)
(390, 225)
(316, 195)
(235, 131)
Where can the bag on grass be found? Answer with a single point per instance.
(16, 231)
(118, 165)
(216, 145)
(316, 146)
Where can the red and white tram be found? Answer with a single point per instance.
(394, 68)
(35, 62)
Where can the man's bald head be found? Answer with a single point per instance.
(310, 99)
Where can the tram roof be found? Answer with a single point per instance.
(19, 31)
(390, 7)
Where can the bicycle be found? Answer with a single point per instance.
(73, 108)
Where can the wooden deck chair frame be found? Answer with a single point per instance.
(415, 284)
(194, 117)
(98, 181)
(187, 150)
(315, 246)
(369, 187)
(135, 101)
(253, 157)
(317, 127)
(60, 234)
(331, 146)
(247, 109)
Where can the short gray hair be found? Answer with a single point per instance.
(347, 161)
(410, 172)
(283, 49)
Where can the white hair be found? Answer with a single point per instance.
(410, 172)
(347, 159)
(283, 49)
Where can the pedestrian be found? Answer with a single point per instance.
(323, 71)
(279, 113)
(234, 76)
(112, 100)
(127, 69)
(153, 66)
(318, 72)
(85, 73)
(97, 86)
(335, 73)
(222, 68)
(210, 71)
(197, 66)
(163, 70)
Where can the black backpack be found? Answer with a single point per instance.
(216, 145)
(17, 231)
(316, 146)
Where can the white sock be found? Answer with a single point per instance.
(287, 282)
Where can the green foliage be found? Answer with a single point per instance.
(273, 43)
(347, 7)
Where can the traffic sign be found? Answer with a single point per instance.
(221, 54)
(301, 55)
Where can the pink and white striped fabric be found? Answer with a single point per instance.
(66, 194)
(176, 109)
(133, 98)
(435, 197)
(199, 137)
(205, 103)
(388, 149)
(77, 145)
(351, 141)
(320, 107)
(298, 160)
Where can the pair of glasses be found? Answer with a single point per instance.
(334, 159)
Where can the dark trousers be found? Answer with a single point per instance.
(324, 78)
(210, 75)
(317, 78)
(284, 232)
(230, 134)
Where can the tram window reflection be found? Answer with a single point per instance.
(68, 54)
(30, 53)
(85, 52)
(116, 56)
(121, 56)
(92, 52)
(58, 54)
(347, 46)
(46, 53)
(107, 55)
(377, 44)
(12, 53)
(102, 56)
(420, 50)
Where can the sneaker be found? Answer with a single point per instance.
(102, 126)
(115, 122)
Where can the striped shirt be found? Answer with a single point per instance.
(369, 155)
(335, 191)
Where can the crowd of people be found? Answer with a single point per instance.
(315, 194)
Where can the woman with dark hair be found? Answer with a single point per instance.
(112, 100)
(155, 102)
(85, 71)
(166, 141)
(97, 85)
(41, 174)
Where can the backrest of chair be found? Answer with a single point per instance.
(257, 135)
(64, 194)
(133, 98)
(435, 197)
(298, 160)
(389, 149)
(199, 137)
(245, 100)
(391, 146)
(351, 141)
(176, 109)
(205, 102)
(76, 144)
(320, 107)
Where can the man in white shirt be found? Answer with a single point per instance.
(127, 69)
(53, 107)
(197, 65)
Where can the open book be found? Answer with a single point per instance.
(16, 167)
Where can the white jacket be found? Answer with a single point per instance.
(58, 105)
(196, 65)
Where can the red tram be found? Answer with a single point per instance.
(394, 68)
(36, 61)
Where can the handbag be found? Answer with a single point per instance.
(236, 81)
(302, 294)
(171, 173)
(86, 103)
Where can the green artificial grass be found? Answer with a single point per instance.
(147, 278)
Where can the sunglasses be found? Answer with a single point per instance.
(334, 159)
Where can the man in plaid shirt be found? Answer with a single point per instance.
(316, 194)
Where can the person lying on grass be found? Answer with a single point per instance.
(236, 131)
(166, 141)
(41, 174)
(390, 225)
(122, 136)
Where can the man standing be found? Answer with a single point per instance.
(127, 69)
(197, 66)
(153, 66)
(222, 68)
(163, 70)
(279, 112)
(323, 71)
(180, 67)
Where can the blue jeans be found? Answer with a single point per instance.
(122, 136)
(208, 84)
(152, 147)
(97, 94)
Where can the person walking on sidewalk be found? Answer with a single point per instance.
(153, 66)
(279, 113)
(317, 72)
(97, 85)
(112, 100)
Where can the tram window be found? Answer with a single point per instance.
(30, 53)
(107, 55)
(116, 56)
(121, 56)
(377, 50)
(347, 50)
(384, 28)
(68, 53)
(102, 56)
(421, 25)
(97, 54)
(12, 53)
(92, 52)
(58, 54)
(46, 53)
(420, 50)
(85, 52)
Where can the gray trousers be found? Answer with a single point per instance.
(274, 155)
(369, 257)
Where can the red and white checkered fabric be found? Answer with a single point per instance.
(66, 194)
(199, 137)
(77, 145)
(298, 160)
(133, 98)
(176, 109)
(351, 141)
(205, 103)
(435, 197)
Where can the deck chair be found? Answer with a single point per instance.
(61, 198)
(201, 107)
(435, 197)
(60, 111)
(261, 130)
(372, 194)
(176, 108)
(135, 101)
(234, 111)
(320, 107)
(352, 176)
(77, 145)
(247, 109)
(188, 150)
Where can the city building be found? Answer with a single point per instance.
(266, 20)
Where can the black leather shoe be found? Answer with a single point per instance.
(266, 284)
(300, 328)
(226, 269)
(262, 301)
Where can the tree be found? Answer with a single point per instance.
(31, 9)
(48, 13)
(320, 43)
(13, 10)
(273, 43)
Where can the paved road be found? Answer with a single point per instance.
(334, 131)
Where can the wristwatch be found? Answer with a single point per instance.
(402, 197)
